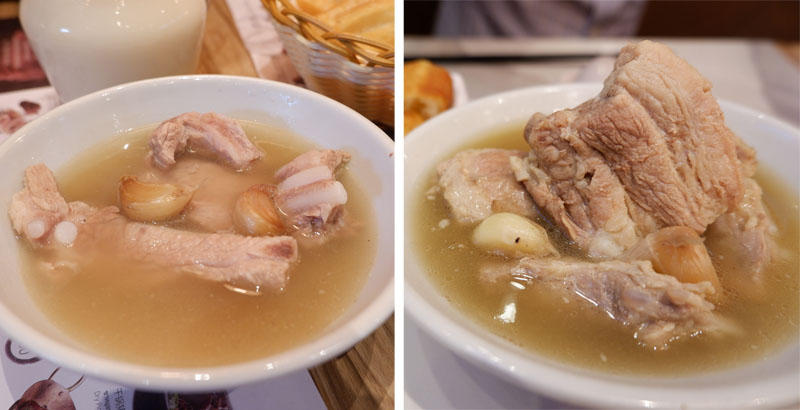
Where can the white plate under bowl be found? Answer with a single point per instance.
(774, 381)
(57, 136)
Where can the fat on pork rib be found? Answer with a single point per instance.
(209, 133)
(263, 261)
(308, 192)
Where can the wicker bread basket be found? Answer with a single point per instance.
(353, 70)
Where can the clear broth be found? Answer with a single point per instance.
(164, 318)
(575, 333)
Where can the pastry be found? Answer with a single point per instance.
(428, 91)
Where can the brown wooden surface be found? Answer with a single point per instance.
(362, 378)
(223, 51)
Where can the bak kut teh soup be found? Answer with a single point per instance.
(241, 247)
(557, 325)
(634, 233)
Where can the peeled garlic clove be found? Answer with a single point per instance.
(152, 202)
(255, 212)
(676, 251)
(512, 235)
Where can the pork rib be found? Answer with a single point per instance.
(209, 133)
(308, 192)
(745, 237)
(573, 184)
(260, 261)
(263, 261)
(222, 257)
(38, 207)
(659, 307)
(658, 129)
(479, 182)
(329, 158)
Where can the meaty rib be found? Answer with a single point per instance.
(573, 184)
(308, 192)
(38, 207)
(662, 131)
(260, 261)
(658, 129)
(208, 133)
(221, 257)
(659, 307)
(480, 182)
(263, 261)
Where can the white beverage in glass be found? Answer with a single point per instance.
(88, 45)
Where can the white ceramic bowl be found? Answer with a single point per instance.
(774, 381)
(57, 136)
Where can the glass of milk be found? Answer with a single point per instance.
(88, 45)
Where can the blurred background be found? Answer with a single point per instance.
(750, 50)
(776, 20)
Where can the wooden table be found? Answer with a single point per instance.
(363, 377)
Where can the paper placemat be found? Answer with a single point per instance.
(18, 108)
(28, 379)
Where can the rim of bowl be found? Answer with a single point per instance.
(189, 379)
(567, 382)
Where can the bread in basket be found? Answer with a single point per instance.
(343, 49)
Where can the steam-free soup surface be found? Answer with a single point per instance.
(541, 320)
(166, 318)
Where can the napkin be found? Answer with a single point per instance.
(262, 42)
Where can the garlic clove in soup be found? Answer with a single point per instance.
(143, 202)
(676, 251)
(255, 213)
(512, 235)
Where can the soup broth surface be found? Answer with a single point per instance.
(155, 316)
(543, 321)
